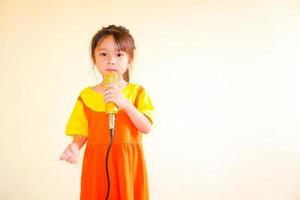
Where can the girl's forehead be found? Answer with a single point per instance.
(102, 47)
(108, 46)
(108, 41)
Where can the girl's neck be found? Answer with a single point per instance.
(121, 83)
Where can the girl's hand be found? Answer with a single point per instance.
(114, 94)
(70, 154)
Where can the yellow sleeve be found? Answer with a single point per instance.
(145, 105)
(77, 124)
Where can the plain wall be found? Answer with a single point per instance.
(223, 76)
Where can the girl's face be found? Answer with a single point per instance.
(109, 58)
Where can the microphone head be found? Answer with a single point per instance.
(111, 77)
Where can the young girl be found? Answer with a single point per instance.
(112, 49)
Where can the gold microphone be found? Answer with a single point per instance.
(111, 77)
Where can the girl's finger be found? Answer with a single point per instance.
(109, 100)
(108, 93)
(109, 96)
(69, 158)
(110, 88)
(67, 155)
(73, 160)
(62, 156)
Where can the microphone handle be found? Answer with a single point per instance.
(111, 121)
(111, 77)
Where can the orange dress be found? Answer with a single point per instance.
(127, 169)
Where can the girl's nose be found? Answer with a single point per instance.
(111, 60)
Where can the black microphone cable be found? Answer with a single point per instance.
(111, 133)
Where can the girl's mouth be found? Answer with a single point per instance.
(111, 70)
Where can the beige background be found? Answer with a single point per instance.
(223, 75)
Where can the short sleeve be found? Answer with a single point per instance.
(145, 105)
(77, 124)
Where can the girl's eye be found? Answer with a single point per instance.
(120, 54)
(102, 54)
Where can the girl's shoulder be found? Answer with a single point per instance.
(132, 87)
(91, 90)
(91, 98)
(95, 99)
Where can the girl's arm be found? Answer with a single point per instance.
(71, 153)
(140, 121)
(79, 140)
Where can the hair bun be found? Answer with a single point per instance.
(116, 28)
